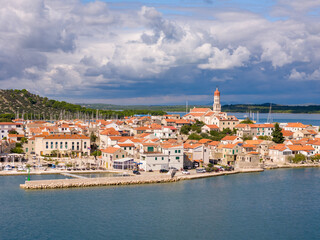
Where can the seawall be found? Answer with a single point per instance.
(113, 181)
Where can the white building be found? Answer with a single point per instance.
(63, 144)
(5, 127)
(170, 156)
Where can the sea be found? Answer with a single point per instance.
(274, 204)
(313, 119)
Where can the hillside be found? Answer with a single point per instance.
(33, 106)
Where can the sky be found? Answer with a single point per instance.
(162, 52)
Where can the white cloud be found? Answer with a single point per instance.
(300, 76)
(58, 47)
(224, 59)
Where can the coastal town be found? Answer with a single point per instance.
(204, 140)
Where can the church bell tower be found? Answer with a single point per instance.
(216, 102)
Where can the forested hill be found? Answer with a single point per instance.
(275, 108)
(32, 106)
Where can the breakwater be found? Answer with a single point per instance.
(113, 181)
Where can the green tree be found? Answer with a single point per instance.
(227, 131)
(194, 136)
(315, 158)
(247, 121)
(12, 131)
(277, 135)
(17, 150)
(93, 137)
(298, 158)
(185, 129)
(96, 153)
(247, 137)
(265, 138)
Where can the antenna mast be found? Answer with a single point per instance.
(270, 120)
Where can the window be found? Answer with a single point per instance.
(26, 149)
(125, 148)
(175, 151)
(61, 145)
(179, 151)
(56, 145)
(72, 145)
(177, 158)
(116, 156)
(129, 148)
(51, 145)
(85, 145)
(122, 156)
(78, 146)
(47, 145)
(155, 158)
(162, 158)
(66, 145)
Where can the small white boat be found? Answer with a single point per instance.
(7, 168)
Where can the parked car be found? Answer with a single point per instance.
(136, 172)
(21, 168)
(150, 170)
(220, 168)
(173, 168)
(186, 172)
(230, 168)
(163, 171)
(200, 170)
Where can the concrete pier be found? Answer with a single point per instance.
(145, 178)
(72, 175)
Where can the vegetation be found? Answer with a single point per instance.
(247, 137)
(277, 135)
(196, 127)
(298, 158)
(13, 132)
(96, 153)
(315, 158)
(93, 137)
(265, 138)
(17, 148)
(213, 135)
(21, 103)
(247, 121)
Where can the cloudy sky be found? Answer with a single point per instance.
(162, 52)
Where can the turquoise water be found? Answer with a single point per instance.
(313, 119)
(277, 204)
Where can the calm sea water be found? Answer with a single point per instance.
(277, 204)
(313, 119)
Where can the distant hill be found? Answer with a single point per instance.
(32, 106)
(262, 108)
